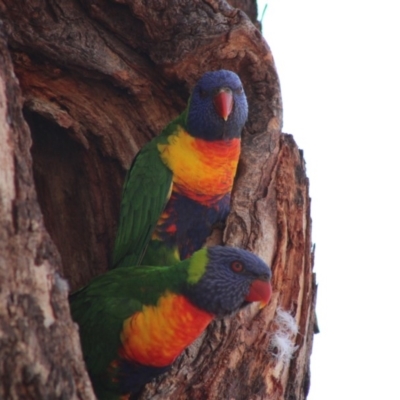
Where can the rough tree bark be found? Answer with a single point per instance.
(39, 347)
(99, 78)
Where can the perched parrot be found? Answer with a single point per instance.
(180, 183)
(135, 321)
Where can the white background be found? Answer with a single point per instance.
(339, 67)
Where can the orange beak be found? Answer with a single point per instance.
(223, 102)
(260, 291)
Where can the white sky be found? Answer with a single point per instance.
(339, 67)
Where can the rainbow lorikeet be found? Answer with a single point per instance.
(135, 321)
(180, 183)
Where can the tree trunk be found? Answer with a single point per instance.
(39, 344)
(99, 78)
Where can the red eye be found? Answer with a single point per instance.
(237, 266)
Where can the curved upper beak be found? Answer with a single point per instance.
(223, 102)
(260, 291)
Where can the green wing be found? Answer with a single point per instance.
(145, 194)
(101, 308)
(100, 324)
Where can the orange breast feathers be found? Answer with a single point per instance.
(158, 334)
(202, 170)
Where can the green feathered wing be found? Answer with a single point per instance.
(146, 191)
(101, 308)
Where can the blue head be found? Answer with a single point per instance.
(217, 107)
(222, 279)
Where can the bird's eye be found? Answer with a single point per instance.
(202, 93)
(239, 90)
(237, 266)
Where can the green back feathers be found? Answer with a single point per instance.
(145, 194)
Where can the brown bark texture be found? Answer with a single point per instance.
(39, 345)
(100, 78)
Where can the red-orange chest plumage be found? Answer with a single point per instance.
(158, 334)
(202, 170)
